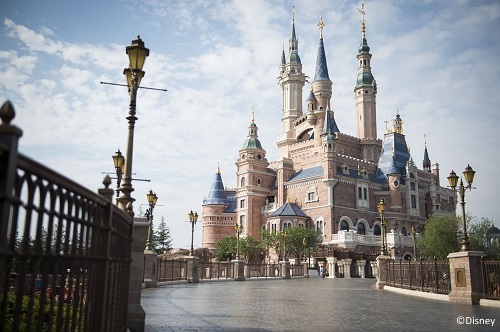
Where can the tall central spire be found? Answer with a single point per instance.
(321, 72)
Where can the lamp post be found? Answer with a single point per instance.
(238, 229)
(152, 199)
(453, 180)
(192, 219)
(137, 54)
(383, 222)
(284, 234)
(414, 234)
(119, 162)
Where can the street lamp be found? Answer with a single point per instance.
(137, 54)
(152, 199)
(192, 219)
(453, 180)
(383, 222)
(284, 234)
(238, 229)
(414, 233)
(119, 162)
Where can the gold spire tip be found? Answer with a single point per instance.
(218, 168)
(253, 115)
(321, 25)
(293, 14)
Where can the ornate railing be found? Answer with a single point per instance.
(426, 276)
(490, 273)
(215, 270)
(65, 251)
(171, 269)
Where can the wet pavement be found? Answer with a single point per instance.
(313, 304)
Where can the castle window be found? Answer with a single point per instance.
(361, 228)
(412, 186)
(413, 201)
(376, 230)
(287, 225)
(344, 226)
(242, 221)
(242, 184)
(403, 231)
(312, 194)
(363, 196)
(259, 156)
(259, 181)
(320, 227)
(412, 176)
(242, 204)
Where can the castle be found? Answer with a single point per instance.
(326, 179)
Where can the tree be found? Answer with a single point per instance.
(439, 237)
(443, 235)
(250, 247)
(292, 242)
(225, 249)
(162, 241)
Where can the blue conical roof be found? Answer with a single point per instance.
(330, 126)
(289, 210)
(321, 72)
(217, 194)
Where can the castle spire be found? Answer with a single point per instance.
(293, 43)
(321, 72)
(427, 161)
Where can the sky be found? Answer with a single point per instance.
(435, 62)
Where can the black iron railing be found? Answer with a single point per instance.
(426, 276)
(171, 269)
(215, 270)
(490, 273)
(65, 252)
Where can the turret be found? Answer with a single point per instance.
(427, 161)
(365, 90)
(321, 85)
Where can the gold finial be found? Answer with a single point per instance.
(321, 25)
(253, 115)
(293, 14)
(409, 150)
(387, 129)
(218, 168)
(359, 170)
(362, 10)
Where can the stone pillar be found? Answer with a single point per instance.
(285, 269)
(465, 269)
(238, 269)
(331, 262)
(192, 269)
(374, 268)
(340, 267)
(361, 267)
(382, 271)
(150, 279)
(270, 270)
(247, 271)
(136, 315)
(306, 269)
(347, 267)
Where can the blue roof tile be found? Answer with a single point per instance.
(307, 173)
(289, 210)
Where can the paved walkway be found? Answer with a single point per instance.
(314, 304)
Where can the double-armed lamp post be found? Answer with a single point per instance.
(193, 217)
(383, 223)
(137, 55)
(119, 162)
(238, 229)
(152, 199)
(453, 180)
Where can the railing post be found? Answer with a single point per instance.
(9, 138)
(421, 276)
(409, 271)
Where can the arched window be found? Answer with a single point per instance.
(361, 228)
(365, 194)
(403, 231)
(376, 230)
(360, 195)
(344, 226)
(242, 182)
(259, 181)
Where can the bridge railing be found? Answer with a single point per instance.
(65, 252)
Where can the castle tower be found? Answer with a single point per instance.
(216, 219)
(254, 182)
(321, 85)
(291, 81)
(365, 90)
